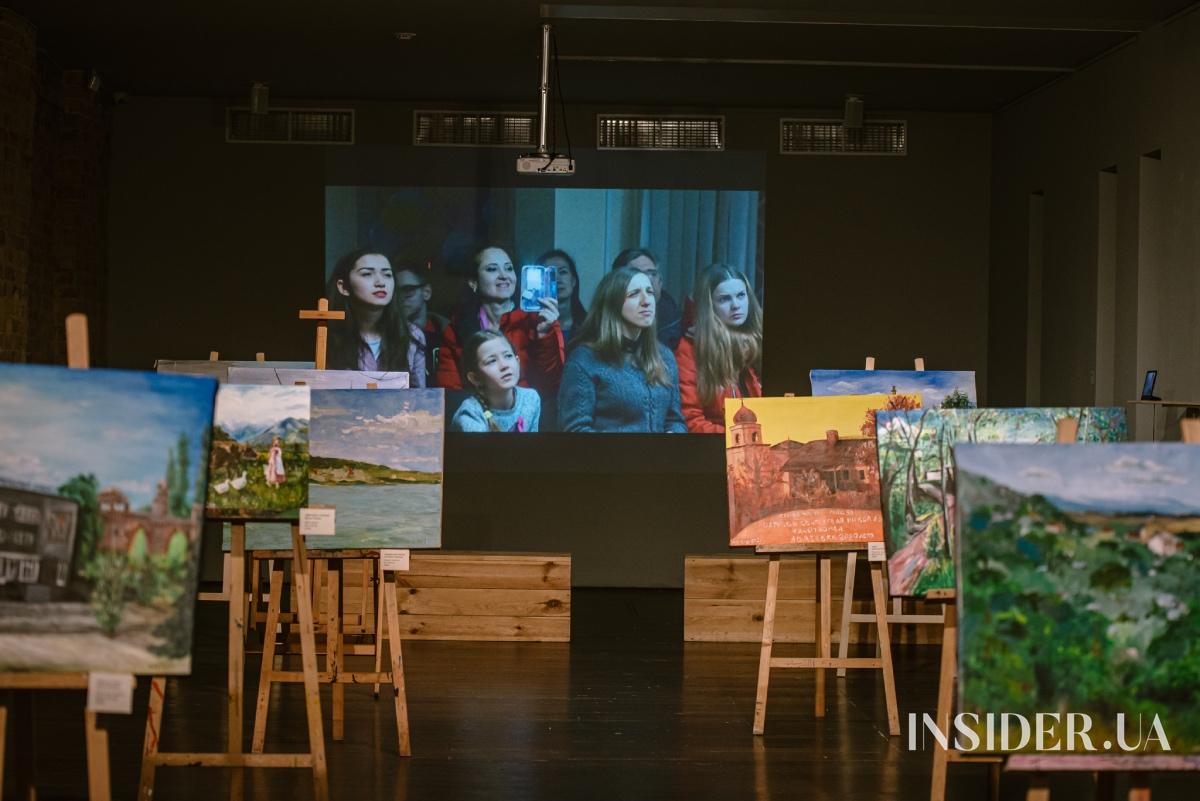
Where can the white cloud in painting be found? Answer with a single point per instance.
(239, 406)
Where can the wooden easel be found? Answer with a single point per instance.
(99, 786)
(1068, 431)
(335, 650)
(897, 615)
(234, 756)
(824, 659)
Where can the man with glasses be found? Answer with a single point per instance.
(415, 292)
(668, 316)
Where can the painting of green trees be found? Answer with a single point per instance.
(1079, 586)
(917, 476)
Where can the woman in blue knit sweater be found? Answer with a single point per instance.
(618, 377)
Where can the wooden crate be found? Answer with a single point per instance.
(724, 597)
(462, 596)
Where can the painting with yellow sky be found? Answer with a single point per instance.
(803, 470)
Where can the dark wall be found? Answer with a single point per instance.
(215, 246)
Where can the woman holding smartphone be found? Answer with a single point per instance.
(618, 376)
(571, 312)
(720, 356)
(535, 336)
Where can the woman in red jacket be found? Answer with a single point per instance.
(535, 336)
(719, 357)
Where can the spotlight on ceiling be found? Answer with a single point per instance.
(260, 98)
(852, 112)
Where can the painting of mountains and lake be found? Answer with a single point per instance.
(102, 484)
(259, 464)
(1079, 587)
(917, 477)
(376, 457)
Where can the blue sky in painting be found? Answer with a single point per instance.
(1124, 477)
(399, 428)
(934, 385)
(56, 423)
(259, 407)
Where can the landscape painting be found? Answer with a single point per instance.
(318, 379)
(916, 469)
(1079, 588)
(376, 457)
(803, 470)
(941, 389)
(259, 465)
(102, 483)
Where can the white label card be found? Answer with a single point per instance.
(318, 522)
(111, 693)
(876, 552)
(393, 558)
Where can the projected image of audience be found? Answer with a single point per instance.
(573, 310)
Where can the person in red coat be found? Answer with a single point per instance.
(535, 336)
(720, 355)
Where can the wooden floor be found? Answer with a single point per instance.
(625, 711)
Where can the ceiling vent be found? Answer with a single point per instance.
(475, 128)
(656, 132)
(832, 138)
(290, 126)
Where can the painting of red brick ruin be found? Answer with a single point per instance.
(803, 470)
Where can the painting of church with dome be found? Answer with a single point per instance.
(803, 470)
(102, 483)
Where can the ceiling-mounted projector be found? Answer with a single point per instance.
(542, 161)
(535, 164)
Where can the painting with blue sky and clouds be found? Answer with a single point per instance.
(259, 467)
(102, 482)
(952, 388)
(1079, 586)
(376, 457)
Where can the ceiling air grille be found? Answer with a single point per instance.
(290, 126)
(638, 132)
(832, 138)
(475, 128)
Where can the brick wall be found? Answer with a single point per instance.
(52, 243)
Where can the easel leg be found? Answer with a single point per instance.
(396, 648)
(308, 655)
(1139, 786)
(847, 608)
(263, 706)
(154, 713)
(333, 646)
(1039, 788)
(3, 743)
(237, 654)
(885, 648)
(937, 790)
(768, 641)
(824, 622)
(379, 633)
(99, 786)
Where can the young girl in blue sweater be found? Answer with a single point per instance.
(491, 367)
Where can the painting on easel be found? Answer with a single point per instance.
(102, 483)
(1079, 588)
(376, 457)
(941, 389)
(318, 379)
(259, 466)
(916, 469)
(803, 470)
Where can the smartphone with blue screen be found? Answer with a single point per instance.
(537, 282)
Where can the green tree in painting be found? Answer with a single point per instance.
(177, 484)
(84, 489)
(109, 574)
(956, 400)
(177, 568)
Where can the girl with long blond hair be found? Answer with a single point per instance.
(720, 356)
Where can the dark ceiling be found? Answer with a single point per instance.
(961, 55)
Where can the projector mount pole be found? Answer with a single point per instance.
(544, 92)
